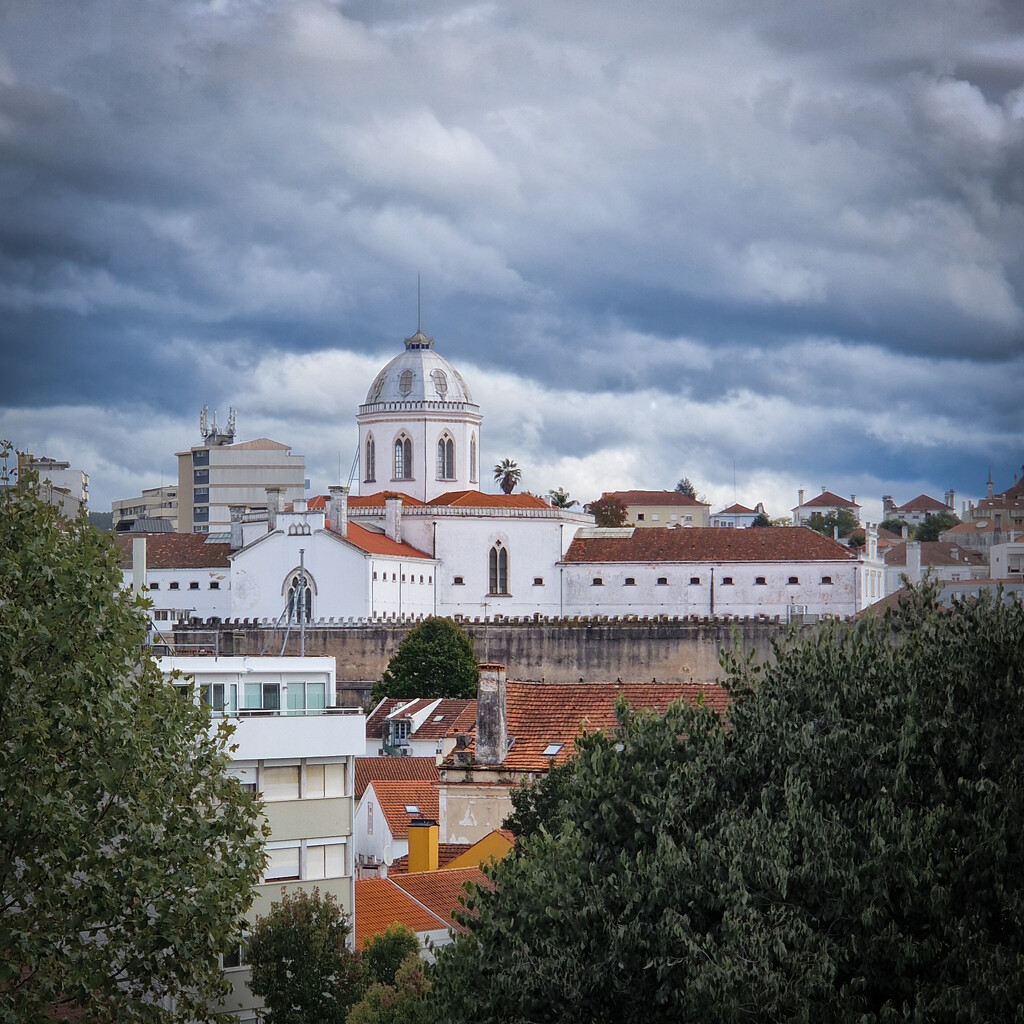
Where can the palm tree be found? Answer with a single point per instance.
(560, 498)
(507, 473)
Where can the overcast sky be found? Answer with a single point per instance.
(763, 245)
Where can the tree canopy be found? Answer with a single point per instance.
(507, 474)
(435, 659)
(845, 848)
(685, 487)
(301, 964)
(842, 518)
(932, 526)
(560, 498)
(127, 856)
(607, 511)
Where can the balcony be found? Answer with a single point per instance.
(326, 732)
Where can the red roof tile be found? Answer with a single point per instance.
(374, 543)
(375, 719)
(935, 553)
(444, 718)
(379, 903)
(445, 853)
(653, 498)
(540, 715)
(733, 510)
(974, 526)
(828, 500)
(441, 892)
(922, 503)
(175, 551)
(394, 795)
(477, 499)
(376, 500)
(770, 544)
(382, 769)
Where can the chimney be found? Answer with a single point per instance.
(823, 488)
(870, 542)
(914, 561)
(235, 512)
(422, 845)
(491, 736)
(393, 518)
(299, 505)
(337, 510)
(273, 507)
(853, 499)
(138, 564)
(888, 505)
(800, 496)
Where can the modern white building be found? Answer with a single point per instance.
(155, 503)
(297, 750)
(219, 474)
(59, 485)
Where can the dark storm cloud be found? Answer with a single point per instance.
(788, 235)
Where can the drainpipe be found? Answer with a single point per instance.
(434, 553)
(712, 591)
(301, 602)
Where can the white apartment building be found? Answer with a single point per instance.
(297, 750)
(59, 485)
(218, 474)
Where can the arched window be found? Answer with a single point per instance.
(300, 604)
(403, 459)
(371, 459)
(446, 459)
(472, 459)
(440, 382)
(497, 565)
(405, 383)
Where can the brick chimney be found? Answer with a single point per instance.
(393, 519)
(337, 510)
(422, 845)
(491, 732)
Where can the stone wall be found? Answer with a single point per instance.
(555, 650)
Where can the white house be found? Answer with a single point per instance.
(938, 559)
(737, 516)
(295, 748)
(823, 504)
(782, 571)
(384, 814)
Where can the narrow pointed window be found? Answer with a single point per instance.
(497, 565)
(371, 459)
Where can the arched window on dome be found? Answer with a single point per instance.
(445, 458)
(403, 459)
(405, 383)
(371, 459)
(472, 459)
(497, 569)
(440, 379)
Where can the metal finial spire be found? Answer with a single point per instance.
(417, 300)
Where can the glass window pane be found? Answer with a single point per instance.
(281, 783)
(253, 695)
(315, 694)
(334, 780)
(282, 864)
(314, 781)
(271, 696)
(296, 696)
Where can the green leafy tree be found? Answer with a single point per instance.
(842, 518)
(127, 856)
(301, 964)
(560, 498)
(760, 520)
(436, 659)
(383, 954)
(685, 487)
(407, 1001)
(845, 848)
(607, 511)
(507, 474)
(892, 525)
(540, 805)
(932, 526)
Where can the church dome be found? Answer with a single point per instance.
(418, 374)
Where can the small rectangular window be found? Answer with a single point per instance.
(694, 581)
(369, 817)
(630, 581)
(538, 581)
(597, 582)
(726, 581)
(173, 585)
(214, 585)
(760, 581)
(201, 458)
(200, 476)
(403, 577)
(430, 579)
(154, 586)
(639, 517)
(374, 573)
(194, 585)
(655, 516)
(282, 865)
(200, 495)
(551, 749)
(662, 581)
(201, 513)
(280, 783)
(793, 581)
(457, 581)
(826, 581)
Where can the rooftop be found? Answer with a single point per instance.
(175, 551)
(393, 769)
(654, 498)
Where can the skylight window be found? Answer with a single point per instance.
(438, 718)
(412, 809)
(552, 748)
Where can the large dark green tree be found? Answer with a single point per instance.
(608, 511)
(435, 659)
(300, 961)
(845, 848)
(932, 526)
(127, 856)
(841, 518)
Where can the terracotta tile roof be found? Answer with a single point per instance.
(922, 503)
(935, 553)
(444, 718)
(394, 794)
(828, 500)
(445, 852)
(317, 503)
(385, 769)
(975, 526)
(653, 498)
(379, 903)
(477, 499)
(376, 500)
(175, 551)
(375, 719)
(441, 892)
(374, 543)
(770, 544)
(541, 715)
(733, 510)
